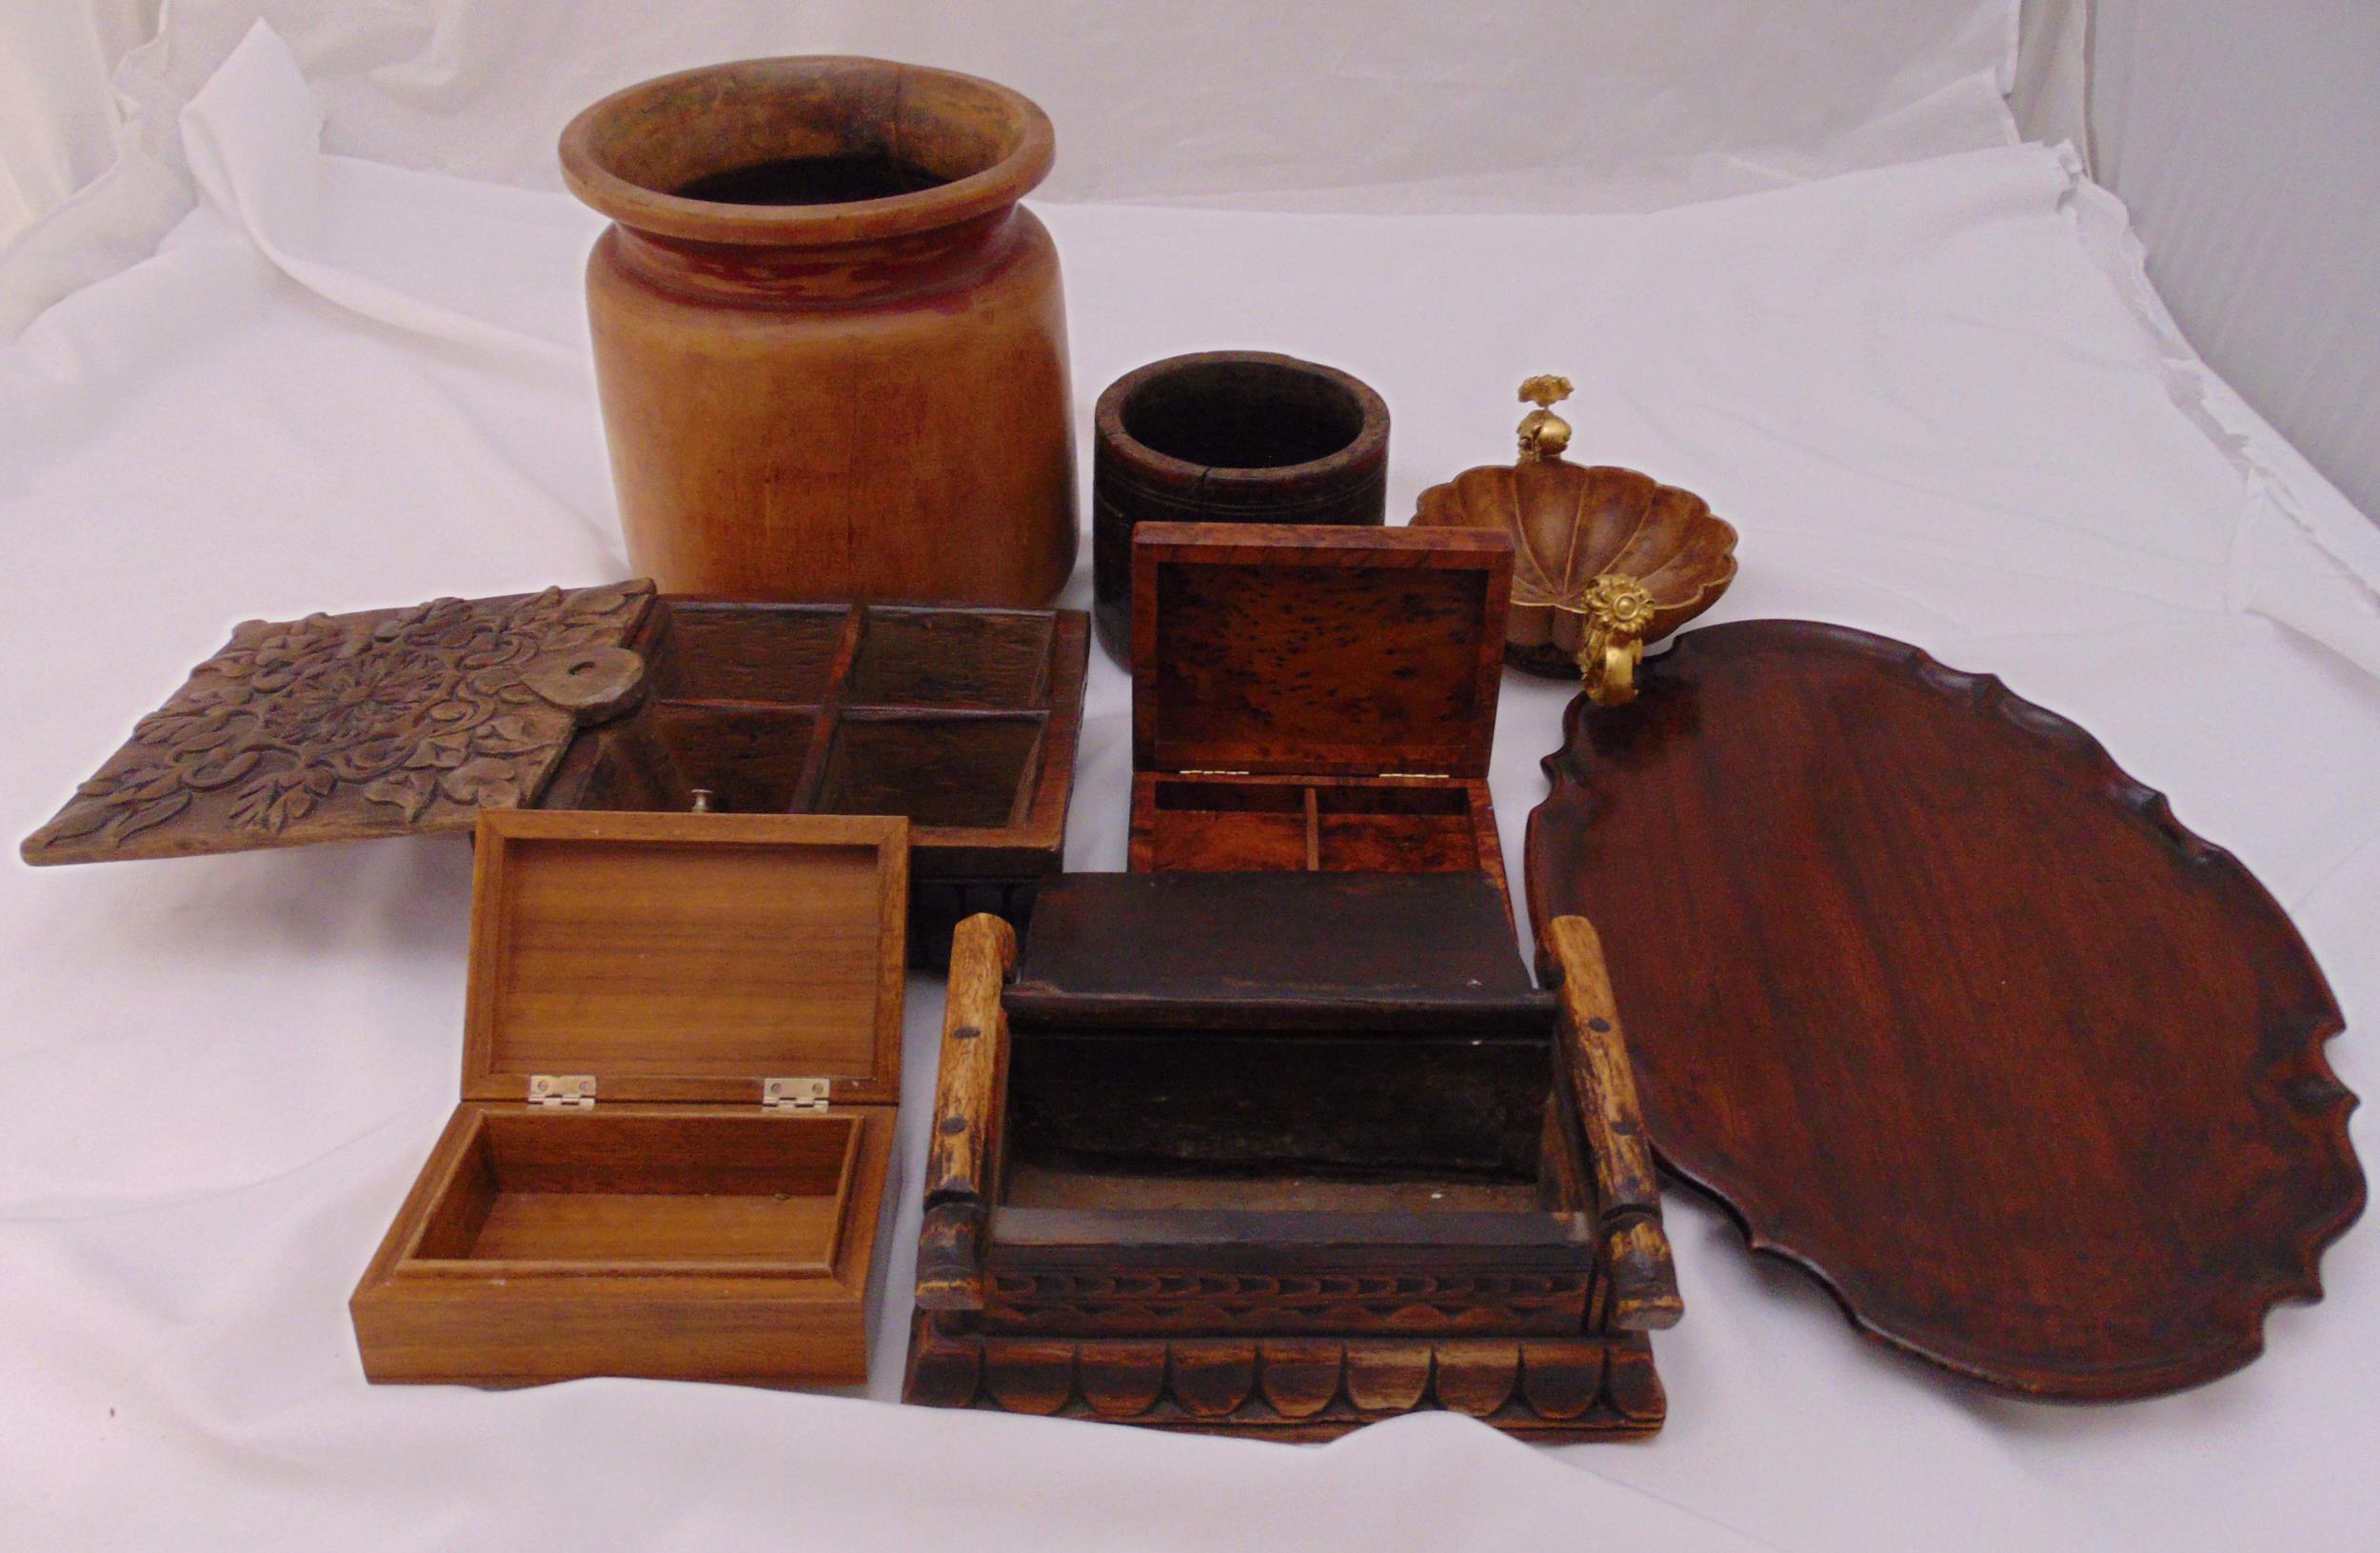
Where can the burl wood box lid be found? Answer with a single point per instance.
(1277, 648)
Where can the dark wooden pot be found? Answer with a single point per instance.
(1227, 436)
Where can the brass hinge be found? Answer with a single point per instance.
(563, 1092)
(1196, 772)
(795, 1094)
(1434, 776)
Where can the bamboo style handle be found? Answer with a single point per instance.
(1628, 1193)
(963, 1152)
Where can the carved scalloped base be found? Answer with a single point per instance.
(1296, 1388)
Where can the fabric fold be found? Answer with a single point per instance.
(356, 232)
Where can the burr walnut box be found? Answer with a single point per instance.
(1279, 1154)
(393, 722)
(681, 1075)
(1316, 699)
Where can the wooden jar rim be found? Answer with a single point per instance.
(1368, 448)
(760, 111)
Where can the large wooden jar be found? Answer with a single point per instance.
(831, 347)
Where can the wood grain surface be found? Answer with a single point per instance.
(1951, 1012)
(1594, 1062)
(391, 721)
(1218, 950)
(1316, 699)
(344, 728)
(964, 1152)
(1572, 524)
(668, 1242)
(1553, 1390)
(658, 959)
(687, 956)
(1270, 648)
(1313, 825)
(1278, 1154)
(965, 721)
(810, 398)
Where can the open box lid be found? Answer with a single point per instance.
(1299, 650)
(687, 957)
(345, 727)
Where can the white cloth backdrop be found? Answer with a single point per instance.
(1542, 105)
(2247, 141)
(1936, 398)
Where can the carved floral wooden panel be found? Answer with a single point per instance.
(333, 728)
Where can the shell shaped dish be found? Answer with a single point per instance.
(1572, 524)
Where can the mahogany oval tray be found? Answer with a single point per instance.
(1946, 1008)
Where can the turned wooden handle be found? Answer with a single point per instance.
(965, 1149)
(1628, 1193)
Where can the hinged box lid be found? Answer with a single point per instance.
(687, 957)
(342, 727)
(1376, 952)
(1277, 648)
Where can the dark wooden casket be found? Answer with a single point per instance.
(1283, 1154)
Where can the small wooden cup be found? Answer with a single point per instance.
(1225, 436)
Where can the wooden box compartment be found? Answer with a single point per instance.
(1115, 1119)
(399, 722)
(680, 1077)
(963, 721)
(1316, 700)
(949, 771)
(1353, 1173)
(1253, 823)
(682, 1185)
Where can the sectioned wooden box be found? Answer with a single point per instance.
(962, 719)
(1281, 1154)
(681, 1075)
(398, 722)
(1319, 700)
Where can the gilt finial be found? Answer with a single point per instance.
(1543, 435)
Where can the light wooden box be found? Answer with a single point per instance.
(682, 1071)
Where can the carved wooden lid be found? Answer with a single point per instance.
(687, 957)
(343, 728)
(1277, 647)
(1950, 1012)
